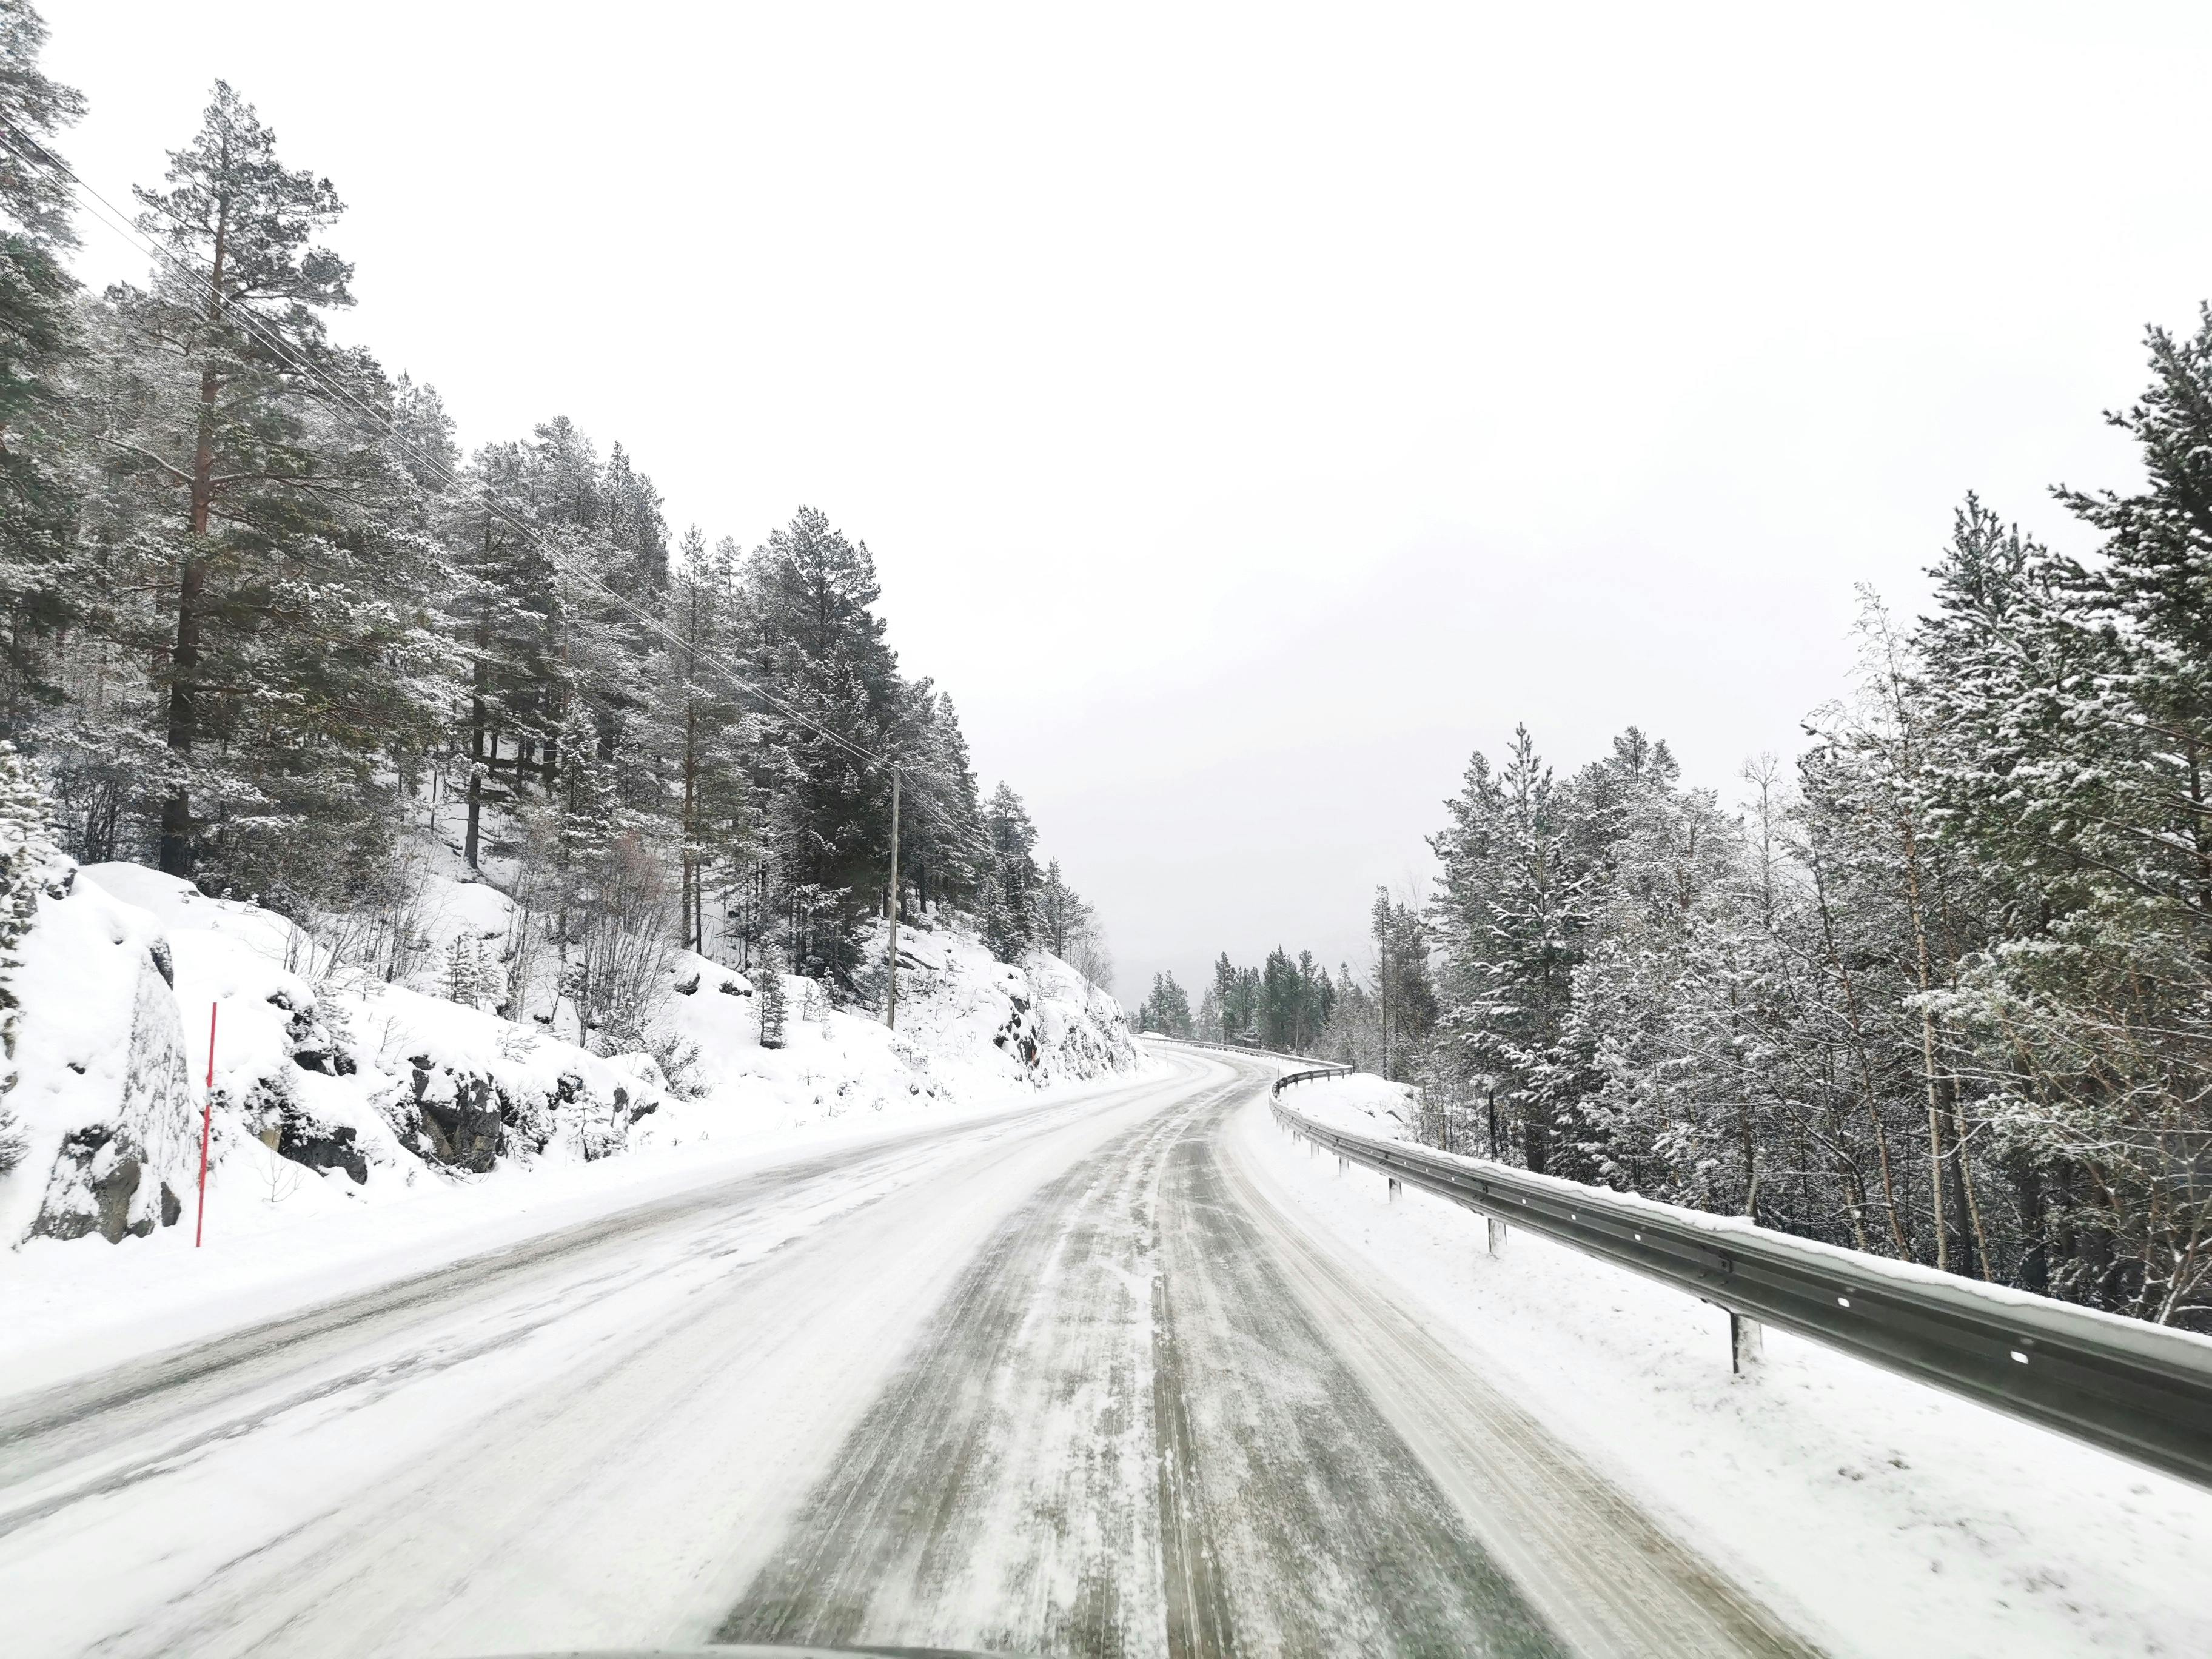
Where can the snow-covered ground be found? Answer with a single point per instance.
(1878, 1516)
(362, 1130)
(592, 1440)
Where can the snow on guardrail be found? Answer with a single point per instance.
(2142, 1391)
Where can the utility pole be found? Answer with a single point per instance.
(890, 1001)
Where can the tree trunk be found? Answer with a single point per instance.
(177, 848)
(479, 678)
(184, 719)
(691, 861)
(1915, 915)
(1862, 1065)
(2035, 1264)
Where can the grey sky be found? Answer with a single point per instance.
(1253, 410)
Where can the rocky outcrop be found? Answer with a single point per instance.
(100, 1184)
(102, 1078)
(467, 1119)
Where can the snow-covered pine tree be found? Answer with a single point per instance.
(815, 642)
(502, 607)
(215, 383)
(1167, 1008)
(28, 859)
(1206, 1023)
(45, 580)
(274, 543)
(465, 976)
(702, 725)
(944, 850)
(1012, 924)
(769, 999)
(1509, 919)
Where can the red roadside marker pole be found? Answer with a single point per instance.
(207, 1123)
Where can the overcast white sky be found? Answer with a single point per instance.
(1252, 411)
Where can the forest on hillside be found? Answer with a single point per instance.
(268, 627)
(1942, 990)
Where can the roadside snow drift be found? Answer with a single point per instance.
(332, 1091)
(1878, 1514)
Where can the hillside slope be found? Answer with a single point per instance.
(332, 1091)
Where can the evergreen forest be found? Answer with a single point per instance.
(1942, 990)
(270, 628)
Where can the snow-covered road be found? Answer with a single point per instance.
(1077, 1379)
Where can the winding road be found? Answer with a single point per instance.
(1072, 1380)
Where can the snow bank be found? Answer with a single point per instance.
(1879, 1516)
(331, 1093)
(1362, 1104)
(971, 1028)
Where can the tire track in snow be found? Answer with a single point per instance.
(611, 1477)
(72, 1421)
(997, 1493)
(1322, 1532)
(1124, 1435)
(1612, 1579)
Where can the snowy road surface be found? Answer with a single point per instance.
(1067, 1380)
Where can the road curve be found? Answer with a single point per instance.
(1071, 1381)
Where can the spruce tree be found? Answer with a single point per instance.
(769, 1000)
(464, 972)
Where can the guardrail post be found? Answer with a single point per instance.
(1342, 1164)
(1746, 1344)
(2133, 1389)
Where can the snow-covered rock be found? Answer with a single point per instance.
(104, 1105)
(970, 1028)
(332, 1089)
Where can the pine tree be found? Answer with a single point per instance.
(502, 607)
(1167, 1009)
(1511, 919)
(226, 379)
(464, 972)
(1012, 918)
(946, 852)
(768, 994)
(44, 581)
(28, 859)
(1208, 1022)
(816, 645)
(704, 728)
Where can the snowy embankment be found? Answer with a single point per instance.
(362, 1130)
(1879, 1515)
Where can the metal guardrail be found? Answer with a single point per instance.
(1253, 1048)
(2142, 1391)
